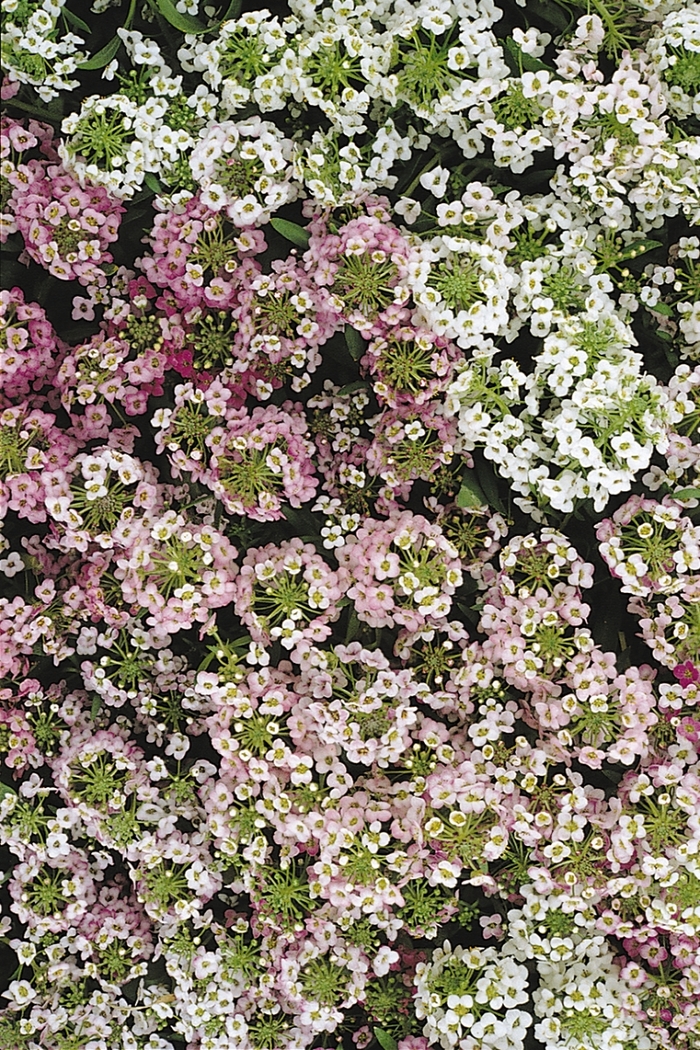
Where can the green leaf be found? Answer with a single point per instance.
(291, 231)
(5, 789)
(350, 388)
(487, 478)
(96, 705)
(690, 493)
(76, 22)
(354, 342)
(152, 182)
(137, 214)
(51, 113)
(637, 248)
(386, 1041)
(661, 308)
(103, 57)
(185, 23)
(354, 627)
(138, 198)
(302, 520)
(14, 274)
(234, 10)
(469, 614)
(554, 14)
(470, 494)
(521, 60)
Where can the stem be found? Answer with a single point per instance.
(420, 174)
(117, 411)
(616, 40)
(130, 15)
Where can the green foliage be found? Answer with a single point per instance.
(291, 231)
(386, 1041)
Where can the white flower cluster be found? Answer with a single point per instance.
(582, 425)
(342, 60)
(244, 168)
(674, 50)
(367, 86)
(551, 927)
(461, 288)
(145, 128)
(238, 62)
(33, 52)
(682, 283)
(464, 56)
(470, 998)
(336, 171)
(586, 1005)
(352, 67)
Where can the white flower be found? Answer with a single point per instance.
(435, 181)
(20, 993)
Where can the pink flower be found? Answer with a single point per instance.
(689, 729)
(31, 351)
(686, 673)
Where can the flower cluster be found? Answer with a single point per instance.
(350, 525)
(287, 593)
(66, 228)
(673, 50)
(650, 546)
(177, 573)
(243, 168)
(582, 425)
(366, 265)
(403, 570)
(29, 347)
(253, 463)
(36, 51)
(472, 994)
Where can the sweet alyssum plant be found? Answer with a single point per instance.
(350, 616)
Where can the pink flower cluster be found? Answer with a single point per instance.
(194, 256)
(66, 227)
(283, 318)
(287, 593)
(32, 445)
(177, 570)
(650, 546)
(655, 549)
(359, 704)
(98, 497)
(253, 462)
(413, 444)
(410, 365)
(30, 351)
(122, 364)
(365, 265)
(20, 171)
(400, 571)
(670, 626)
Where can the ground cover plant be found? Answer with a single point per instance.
(350, 506)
